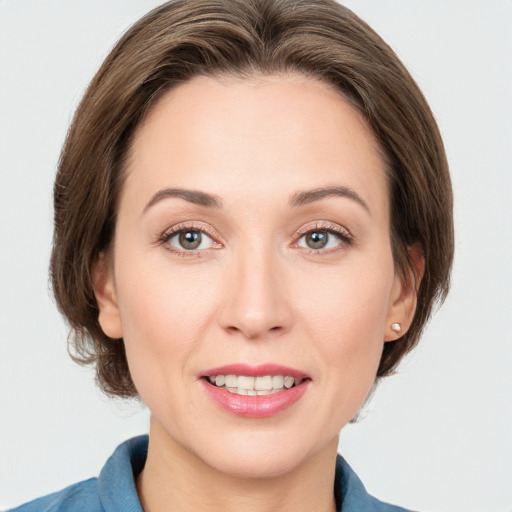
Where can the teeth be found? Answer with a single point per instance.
(231, 381)
(288, 382)
(254, 386)
(263, 383)
(277, 381)
(246, 382)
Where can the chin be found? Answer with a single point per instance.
(272, 458)
(262, 467)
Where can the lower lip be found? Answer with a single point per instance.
(255, 406)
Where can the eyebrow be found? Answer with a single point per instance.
(192, 196)
(299, 199)
(310, 196)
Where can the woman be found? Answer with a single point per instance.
(252, 225)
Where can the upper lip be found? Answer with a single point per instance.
(255, 371)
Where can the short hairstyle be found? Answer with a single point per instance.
(186, 38)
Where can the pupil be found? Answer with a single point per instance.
(317, 239)
(190, 239)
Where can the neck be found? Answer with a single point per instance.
(175, 479)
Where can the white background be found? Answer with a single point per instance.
(437, 436)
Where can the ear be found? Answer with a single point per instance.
(404, 295)
(105, 293)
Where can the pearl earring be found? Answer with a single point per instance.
(396, 327)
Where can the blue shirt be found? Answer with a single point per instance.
(114, 490)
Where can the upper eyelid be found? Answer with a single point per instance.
(324, 226)
(192, 226)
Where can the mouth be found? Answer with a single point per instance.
(254, 386)
(255, 391)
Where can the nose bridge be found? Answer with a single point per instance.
(256, 300)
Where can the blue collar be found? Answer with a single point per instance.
(116, 483)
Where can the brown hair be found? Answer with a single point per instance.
(185, 38)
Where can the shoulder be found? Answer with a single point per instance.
(352, 495)
(113, 490)
(78, 497)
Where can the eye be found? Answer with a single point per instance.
(318, 240)
(189, 240)
(323, 239)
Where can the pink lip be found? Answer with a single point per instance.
(255, 371)
(255, 406)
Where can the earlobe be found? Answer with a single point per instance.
(105, 293)
(404, 296)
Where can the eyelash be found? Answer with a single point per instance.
(343, 235)
(183, 228)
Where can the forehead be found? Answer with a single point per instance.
(227, 134)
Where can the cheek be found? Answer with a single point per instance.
(161, 298)
(345, 312)
(163, 314)
(348, 302)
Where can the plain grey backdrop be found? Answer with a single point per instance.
(437, 436)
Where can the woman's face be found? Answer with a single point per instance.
(252, 241)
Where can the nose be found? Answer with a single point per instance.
(256, 303)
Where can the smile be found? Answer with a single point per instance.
(255, 391)
(254, 386)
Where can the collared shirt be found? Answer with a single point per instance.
(114, 490)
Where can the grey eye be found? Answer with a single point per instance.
(190, 240)
(320, 239)
(317, 239)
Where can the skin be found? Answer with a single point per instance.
(254, 292)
